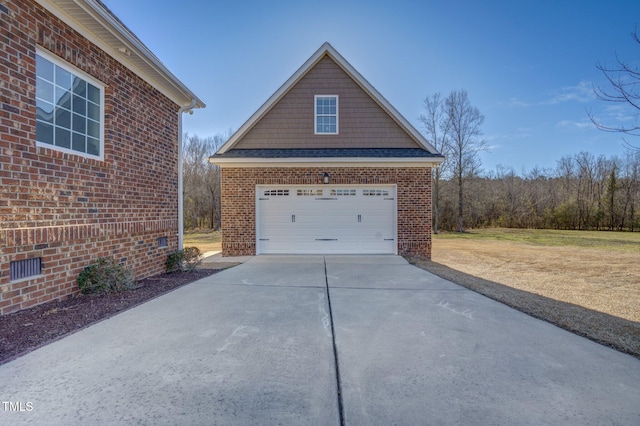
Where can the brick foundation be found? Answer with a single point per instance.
(65, 208)
(413, 201)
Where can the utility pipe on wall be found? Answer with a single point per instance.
(189, 109)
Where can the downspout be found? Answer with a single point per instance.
(188, 109)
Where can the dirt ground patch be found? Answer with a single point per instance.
(590, 291)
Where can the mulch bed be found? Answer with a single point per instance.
(29, 329)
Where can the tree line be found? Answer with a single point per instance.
(201, 181)
(582, 192)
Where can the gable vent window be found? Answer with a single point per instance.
(309, 192)
(276, 193)
(326, 114)
(69, 108)
(21, 269)
(375, 193)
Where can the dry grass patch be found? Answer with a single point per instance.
(604, 281)
(206, 240)
(588, 282)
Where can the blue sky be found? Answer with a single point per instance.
(529, 66)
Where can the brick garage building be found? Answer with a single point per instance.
(90, 122)
(326, 165)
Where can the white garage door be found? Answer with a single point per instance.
(326, 219)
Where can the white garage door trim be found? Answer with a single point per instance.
(326, 219)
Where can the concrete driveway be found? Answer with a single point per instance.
(322, 340)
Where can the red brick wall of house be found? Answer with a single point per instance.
(65, 208)
(239, 203)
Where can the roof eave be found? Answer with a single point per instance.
(90, 17)
(327, 162)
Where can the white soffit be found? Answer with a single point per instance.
(91, 19)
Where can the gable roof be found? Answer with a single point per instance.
(326, 50)
(98, 24)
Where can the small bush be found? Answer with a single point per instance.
(105, 276)
(192, 258)
(186, 260)
(174, 261)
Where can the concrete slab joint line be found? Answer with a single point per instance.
(220, 352)
(335, 349)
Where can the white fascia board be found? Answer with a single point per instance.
(163, 80)
(272, 100)
(377, 96)
(326, 162)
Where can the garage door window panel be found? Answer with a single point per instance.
(343, 192)
(375, 192)
(309, 192)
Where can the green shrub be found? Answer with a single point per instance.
(105, 276)
(185, 260)
(174, 261)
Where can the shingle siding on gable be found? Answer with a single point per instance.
(290, 123)
(66, 209)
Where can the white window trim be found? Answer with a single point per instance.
(72, 69)
(315, 114)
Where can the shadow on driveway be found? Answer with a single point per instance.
(618, 333)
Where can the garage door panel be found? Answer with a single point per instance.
(327, 219)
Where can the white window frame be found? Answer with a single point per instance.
(57, 61)
(316, 115)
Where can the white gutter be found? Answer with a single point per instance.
(189, 109)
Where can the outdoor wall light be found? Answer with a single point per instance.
(325, 178)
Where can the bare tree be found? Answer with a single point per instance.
(624, 88)
(436, 125)
(464, 133)
(201, 181)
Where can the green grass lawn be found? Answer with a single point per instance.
(208, 240)
(603, 240)
(205, 239)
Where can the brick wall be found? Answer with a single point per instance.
(413, 201)
(65, 208)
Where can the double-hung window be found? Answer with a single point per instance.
(69, 108)
(326, 114)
